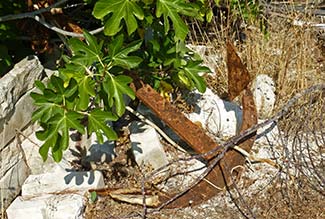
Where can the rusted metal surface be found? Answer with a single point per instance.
(224, 173)
(196, 138)
(238, 76)
(249, 118)
(185, 128)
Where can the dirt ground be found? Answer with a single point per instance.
(262, 192)
(271, 197)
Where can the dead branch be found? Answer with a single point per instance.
(34, 15)
(64, 32)
(31, 14)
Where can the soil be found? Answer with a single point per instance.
(263, 196)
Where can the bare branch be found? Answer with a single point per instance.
(30, 14)
(64, 32)
(34, 15)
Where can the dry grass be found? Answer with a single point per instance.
(294, 57)
(291, 55)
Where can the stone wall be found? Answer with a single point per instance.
(23, 173)
(16, 107)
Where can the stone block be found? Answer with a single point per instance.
(268, 135)
(10, 157)
(13, 86)
(264, 95)
(87, 151)
(221, 118)
(67, 206)
(146, 146)
(99, 153)
(20, 117)
(62, 180)
(34, 160)
(210, 58)
(11, 182)
(17, 82)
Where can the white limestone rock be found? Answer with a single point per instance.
(221, 118)
(99, 153)
(10, 157)
(268, 135)
(89, 151)
(199, 49)
(61, 180)
(16, 83)
(11, 182)
(34, 159)
(209, 56)
(264, 95)
(67, 206)
(146, 146)
(18, 118)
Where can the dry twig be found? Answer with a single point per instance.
(34, 15)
